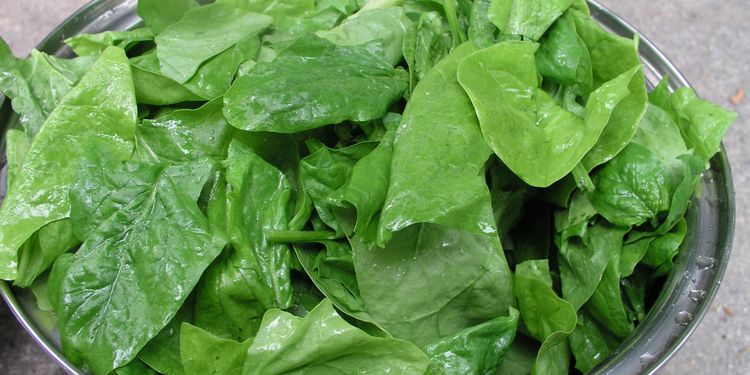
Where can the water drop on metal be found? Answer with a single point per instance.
(704, 262)
(646, 359)
(683, 318)
(697, 295)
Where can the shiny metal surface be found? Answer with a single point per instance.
(675, 314)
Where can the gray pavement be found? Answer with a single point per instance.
(708, 40)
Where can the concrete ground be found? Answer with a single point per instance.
(708, 40)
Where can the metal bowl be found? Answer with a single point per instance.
(687, 292)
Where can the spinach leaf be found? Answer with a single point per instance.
(427, 161)
(564, 58)
(99, 111)
(327, 170)
(549, 141)
(632, 188)
(481, 30)
(611, 57)
(136, 367)
(654, 129)
(111, 309)
(289, 96)
(38, 253)
(548, 318)
(583, 261)
(367, 186)
(332, 271)
(476, 350)
(151, 87)
(702, 123)
(606, 305)
(409, 287)
(201, 34)
(184, 135)
(162, 353)
(286, 344)
(95, 44)
(386, 25)
(257, 198)
(41, 250)
(424, 45)
(37, 84)
(160, 14)
(529, 18)
(211, 80)
(589, 343)
(663, 249)
(252, 275)
(205, 354)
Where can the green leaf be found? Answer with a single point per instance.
(201, 34)
(95, 44)
(660, 134)
(184, 135)
(288, 95)
(332, 271)
(205, 354)
(112, 307)
(99, 112)
(212, 79)
(548, 318)
(702, 123)
(424, 45)
(151, 87)
(481, 30)
(476, 350)
(663, 248)
(160, 14)
(411, 289)
(162, 353)
(632, 188)
(589, 343)
(367, 186)
(529, 18)
(253, 275)
(41, 250)
(606, 305)
(257, 198)
(582, 261)
(611, 57)
(564, 58)
(426, 165)
(324, 172)
(136, 367)
(502, 83)
(37, 84)
(386, 25)
(286, 344)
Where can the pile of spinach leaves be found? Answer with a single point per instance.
(347, 186)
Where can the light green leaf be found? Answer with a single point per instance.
(99, 112)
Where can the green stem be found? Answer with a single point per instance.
(581, 176)
(298, 236)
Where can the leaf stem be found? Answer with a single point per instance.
(298, 236)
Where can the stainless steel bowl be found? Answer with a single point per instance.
(688, 290)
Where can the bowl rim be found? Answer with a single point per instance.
(633, 355)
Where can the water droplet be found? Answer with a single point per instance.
(683, 318)
(696, 295)
(646, 358)
(704, 262)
